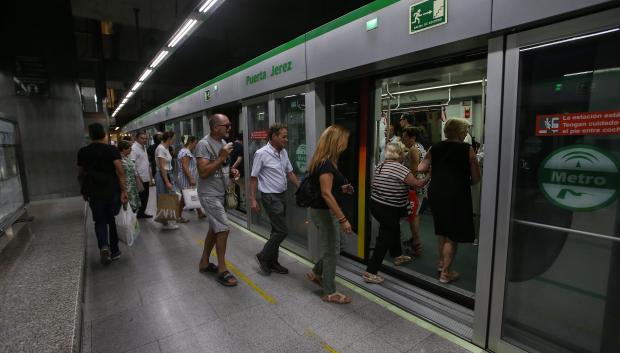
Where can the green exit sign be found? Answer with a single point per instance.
(427, 14)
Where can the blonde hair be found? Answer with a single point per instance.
(454, 127)
(393, 151)
(332, 143)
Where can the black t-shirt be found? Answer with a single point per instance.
(328, 168)
(100, 179)
(237, 152)
(150, 152)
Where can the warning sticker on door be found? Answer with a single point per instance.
(580, 178)
(575, 124)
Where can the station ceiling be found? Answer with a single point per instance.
(238, 31)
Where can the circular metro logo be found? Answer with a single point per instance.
(580, 178)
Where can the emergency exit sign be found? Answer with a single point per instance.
(427, 14)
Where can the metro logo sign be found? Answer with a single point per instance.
(580, 178)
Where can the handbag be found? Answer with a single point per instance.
(167, 207)
(230, 197)
(190, 197)
(305, 194)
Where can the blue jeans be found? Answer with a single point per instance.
(104, 210)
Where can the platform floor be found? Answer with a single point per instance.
(154, 300)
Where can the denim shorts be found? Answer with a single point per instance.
(216, 213)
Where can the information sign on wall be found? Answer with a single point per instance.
(427, 14)
(576, 124)
(259, 135)
(580, 178)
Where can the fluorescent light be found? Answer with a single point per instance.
(182, 32)
(136, 86)
(145, 74)
(116, 128)
(115, 112)
(436, 87)
(159, 58)
(130, 94)
(579, 73)
(601, 71)
(207, 5)
(571, 39)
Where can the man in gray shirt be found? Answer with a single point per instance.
(214, 170)
(270, 170)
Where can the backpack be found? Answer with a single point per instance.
(305, 195)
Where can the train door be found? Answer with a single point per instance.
(422, 101)
(556, 285)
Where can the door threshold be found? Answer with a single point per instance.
(439, 311)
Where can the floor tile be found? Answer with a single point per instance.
(403, 334)
(436, 344)
(260, 326)
(345, 330)
(121, 332)
(152, 347)
(370, 344)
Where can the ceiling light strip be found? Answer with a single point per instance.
(184, 30)
(159, 58)
(136, 86)
(145, 74)
(207, 5)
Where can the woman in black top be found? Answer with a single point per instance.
(454, 168)
(326, 213)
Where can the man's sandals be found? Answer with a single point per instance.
(226, 279)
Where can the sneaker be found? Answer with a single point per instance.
(264, 266)
(277, 268)
(104, 255)
(116, 255)
(170, 226)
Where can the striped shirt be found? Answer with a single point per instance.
(388, 186)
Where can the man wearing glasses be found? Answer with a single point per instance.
(270, 170)
(212, 154)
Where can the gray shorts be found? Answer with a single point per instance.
(216, 213)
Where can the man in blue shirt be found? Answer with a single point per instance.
(270, 170)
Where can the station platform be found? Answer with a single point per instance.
(154, 299)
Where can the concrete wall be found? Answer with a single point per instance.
(51, 126)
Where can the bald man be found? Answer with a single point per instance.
(212, 154)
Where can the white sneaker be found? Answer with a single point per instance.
(170, 226)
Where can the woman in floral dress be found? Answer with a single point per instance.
(130, 175)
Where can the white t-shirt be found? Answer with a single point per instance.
(141, 159)
(162, 152)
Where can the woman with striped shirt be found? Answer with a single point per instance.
(388, 203)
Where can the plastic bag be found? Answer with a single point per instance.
(190, 196)
(127, 225)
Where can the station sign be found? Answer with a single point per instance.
(427, 14)
(580, 178)
(276, 70)
(578, 124)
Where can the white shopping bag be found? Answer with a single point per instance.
(190, 196)
(127, 225)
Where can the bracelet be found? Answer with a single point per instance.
(342, 220)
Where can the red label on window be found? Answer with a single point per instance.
(259, 135)
(574, 124)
